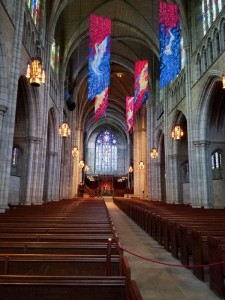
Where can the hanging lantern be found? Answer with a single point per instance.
(86, 168)
(35, 73)
(81, 163)
(130, 169)
(64, 130)
(154, 153)
(141, 165)
(75, 151)
(177, 133)
(223, 81)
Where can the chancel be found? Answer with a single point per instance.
(112, 149)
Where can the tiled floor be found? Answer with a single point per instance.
(155, 281)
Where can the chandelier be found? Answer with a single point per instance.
(177, 133)
(64, 130)
(35, 72)
(154, 153)
(223, 81)
(75, 151)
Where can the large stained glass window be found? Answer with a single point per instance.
(106, 153)
(210, 10)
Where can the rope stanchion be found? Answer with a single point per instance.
(169, 264)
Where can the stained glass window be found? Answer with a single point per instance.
(182, 52)
(54, 56)
(216, 160)
(14, 156)
(106, 153)
(34, 7)
(210, 10)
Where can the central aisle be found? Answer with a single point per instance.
(155, 281)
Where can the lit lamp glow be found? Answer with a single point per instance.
(35, 73)
(75, 151)
(141, 165)
(154, 153)
(130, 169)
(86, 168)
(177, 133)
(223, 81)
(81, 163)
(64, 130)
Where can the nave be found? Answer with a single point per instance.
(156, 282)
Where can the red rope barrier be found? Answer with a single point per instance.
(168, 264)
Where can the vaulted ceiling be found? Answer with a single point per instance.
(134, 37)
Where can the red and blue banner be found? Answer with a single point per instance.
(140, 84)
(169, 38)
(101, 103)
(99, 59)
(130, 112)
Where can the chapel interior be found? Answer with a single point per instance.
(65, 153)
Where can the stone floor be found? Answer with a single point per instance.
(155, 281)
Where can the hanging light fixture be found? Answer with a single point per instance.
(86, 168)
(154, 153)
(81, 163)
(35, 72)
(75, 151)
(177, 133)
(130, 169)
(223, 80)
(64, 130)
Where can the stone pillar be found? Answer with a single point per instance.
(29, 182)
(173, 179)
(36, 199)
(149, 129)
(203, 175)
(9, 84)
(191, 153)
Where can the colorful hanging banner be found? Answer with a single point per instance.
(99, 56)
(130, 112)
(169, 38)
(101, 102)
(140, 84)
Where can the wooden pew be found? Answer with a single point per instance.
(61, 265)
(58, 287)
(84, 248)
(217, 272)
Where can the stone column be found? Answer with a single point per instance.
(203, 175)
(149, 131)
(29, 182)
(191, 153)
(36, 199)
(173, 180)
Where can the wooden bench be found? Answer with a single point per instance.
(58, 288)
(217, 272)
(61, 265)
(89, 247)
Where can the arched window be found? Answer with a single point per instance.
(14, 159)
(54, 56)
(216, 160)
(182, 52)
(106, 153)
(210, 10)
(34, 7)
(199, 65)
